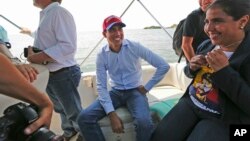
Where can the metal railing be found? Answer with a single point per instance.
(98, 43)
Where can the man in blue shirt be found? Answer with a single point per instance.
(120, 59)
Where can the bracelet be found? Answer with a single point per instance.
(16, 61)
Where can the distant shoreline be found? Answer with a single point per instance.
(158, 27)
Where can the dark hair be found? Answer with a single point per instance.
(60, 1)
(234, 8)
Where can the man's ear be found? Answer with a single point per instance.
(244, 21)
(104, 33)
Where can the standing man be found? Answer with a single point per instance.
(56, 37)
(193, 30)
(120, 59)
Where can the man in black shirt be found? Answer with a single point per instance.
(193, 32)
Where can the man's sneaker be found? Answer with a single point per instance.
(67, 138)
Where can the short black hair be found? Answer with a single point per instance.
(60, 1)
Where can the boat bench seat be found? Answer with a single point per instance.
(129, 128)
(167, 92)
(173, 85)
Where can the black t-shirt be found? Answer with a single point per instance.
(194, 27)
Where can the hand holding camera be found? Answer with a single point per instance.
(16, 118)
(36, 50)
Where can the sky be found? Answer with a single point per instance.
(89, 14)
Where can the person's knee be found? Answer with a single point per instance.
(83, 118)
(144, 124)
(210, 130)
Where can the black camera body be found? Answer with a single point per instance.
(16, 118)
(36, 50)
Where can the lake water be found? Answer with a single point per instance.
(155, 39)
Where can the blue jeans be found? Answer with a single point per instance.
(137, 105)
(62, 90)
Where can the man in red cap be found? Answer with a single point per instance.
(120, 59)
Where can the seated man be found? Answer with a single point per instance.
(121, 59)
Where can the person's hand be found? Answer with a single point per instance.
(197, 61)
(217, 59)
(13, 84)
(116, 123)
(30, 53)
(142, 89)
(28, 71)
(25, 30)
(45, 114)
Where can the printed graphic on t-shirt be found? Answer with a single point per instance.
(202, 91)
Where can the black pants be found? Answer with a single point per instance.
(187, 122)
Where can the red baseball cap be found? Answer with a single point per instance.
(111, 21)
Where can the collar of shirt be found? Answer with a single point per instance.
(50, 6)
(124, 44)
(47, 9)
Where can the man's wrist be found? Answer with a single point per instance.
(15, 61)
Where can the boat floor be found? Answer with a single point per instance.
(56, 128)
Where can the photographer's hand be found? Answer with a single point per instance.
(44, 119)
(13, 84)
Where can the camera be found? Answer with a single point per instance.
(16, 118)
(36, 50)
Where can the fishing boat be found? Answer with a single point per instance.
(161, 98)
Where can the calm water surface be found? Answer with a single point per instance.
(155, 39)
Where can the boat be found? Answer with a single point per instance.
(161, 98)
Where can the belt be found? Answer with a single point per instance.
(60, 70)
(126, 90)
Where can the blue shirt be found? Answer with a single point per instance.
(56, 36)
(124, 70)
(2, 42)
(3, 34)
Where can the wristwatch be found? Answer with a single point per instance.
(15, 60)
